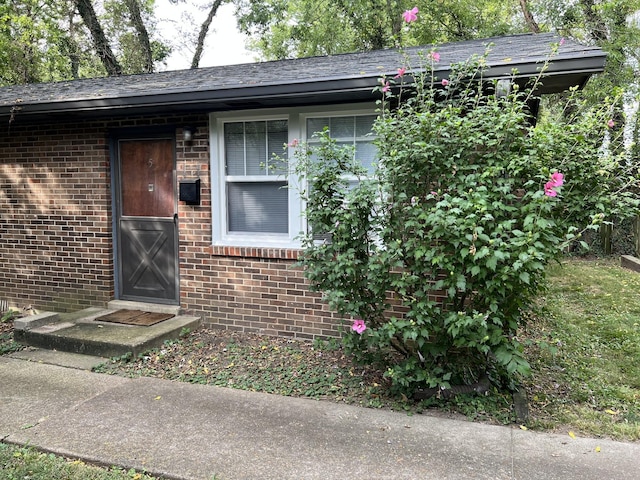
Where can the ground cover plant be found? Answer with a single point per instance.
(26, 463)
(582, 342)
(7, 344)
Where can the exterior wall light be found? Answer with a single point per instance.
(187, 133)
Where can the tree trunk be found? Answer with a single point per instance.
(204, 29)
(528, 17)
(72, 49)
(396, 20)
(100, 43)
(143, 35)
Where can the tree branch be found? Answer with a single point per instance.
(100, 43)
(528, 17)
(204, 29)
(597, 27)
(143, 34)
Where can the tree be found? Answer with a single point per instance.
(195, 40)
(204, 29)
(614, 26)
(286, 29)
(45, 40)
(32, 41)
(142, 34)
(528, 17)
(131, 27)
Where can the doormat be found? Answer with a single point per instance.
(135, 317)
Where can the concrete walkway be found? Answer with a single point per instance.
(186, 431)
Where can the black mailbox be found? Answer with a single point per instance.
(190, 191)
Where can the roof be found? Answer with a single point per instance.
(314, 80)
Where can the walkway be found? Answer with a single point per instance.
(186, 431)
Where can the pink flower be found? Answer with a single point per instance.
(386, 87)
(549, 191)
(610, 123)
(401, 72)
(445, 82)
(435, 56)
(562, 41)
(293, 143)
(410, 15)
(358, 326)
(557, 179)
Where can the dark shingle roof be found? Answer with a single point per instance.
(314, 80)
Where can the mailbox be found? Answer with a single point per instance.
(190, 191)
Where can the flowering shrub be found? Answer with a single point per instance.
(468, 205)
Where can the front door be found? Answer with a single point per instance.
(146, 222)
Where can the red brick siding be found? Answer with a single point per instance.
(55, 223)
(252, 294)
(56, 247)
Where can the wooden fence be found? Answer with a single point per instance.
(636, 235)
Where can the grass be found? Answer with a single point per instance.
(586, 354)
(26, 463)
(583, 343)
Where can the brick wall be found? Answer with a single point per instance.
(256, 290)
(56, 248)
(55, 223)
(244, 289)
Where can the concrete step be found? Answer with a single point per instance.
(62, 359)
(83, 333)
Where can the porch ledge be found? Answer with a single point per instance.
(34, 321)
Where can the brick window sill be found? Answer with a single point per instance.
(255, 252)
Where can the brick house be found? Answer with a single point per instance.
(156, 187)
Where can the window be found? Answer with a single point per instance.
(254, 202)
(348, 131)
(256, 187)
(351, 130)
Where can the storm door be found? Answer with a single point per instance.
(146, 221)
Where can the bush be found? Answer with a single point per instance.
(469, 203)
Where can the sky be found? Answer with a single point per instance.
(225, 45)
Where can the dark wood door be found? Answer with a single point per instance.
(147, 227)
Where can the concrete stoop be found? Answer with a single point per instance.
(82, 332)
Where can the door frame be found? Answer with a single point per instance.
(165, 132)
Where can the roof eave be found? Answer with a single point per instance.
(558, 75)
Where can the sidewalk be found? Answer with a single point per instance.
(187, 431)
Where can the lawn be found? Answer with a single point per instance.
(583, 343)
(587, 359)
(26, 463)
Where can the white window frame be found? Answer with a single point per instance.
(335, 114)
(297, 121)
